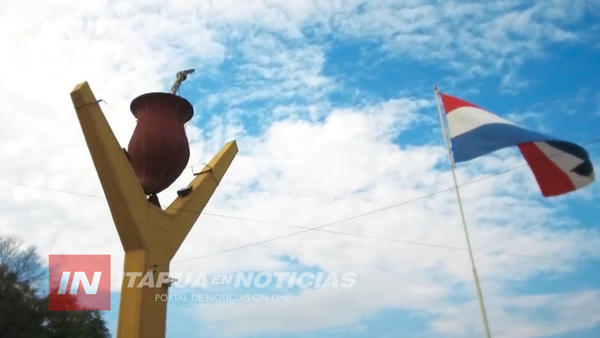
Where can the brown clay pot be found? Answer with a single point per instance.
(159, 150)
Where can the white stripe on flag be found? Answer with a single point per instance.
(465, 119)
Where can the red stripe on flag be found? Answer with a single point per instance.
(551, 179)
(451, 103)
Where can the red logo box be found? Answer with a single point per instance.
(79, 283)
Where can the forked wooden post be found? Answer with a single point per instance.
(150, 236)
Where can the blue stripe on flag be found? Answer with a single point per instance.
(491, 137)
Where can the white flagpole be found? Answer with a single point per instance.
(462, 214)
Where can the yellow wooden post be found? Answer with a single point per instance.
(150, 236)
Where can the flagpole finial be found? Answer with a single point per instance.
(435, 88)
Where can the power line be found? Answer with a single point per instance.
(332, 223)
(437, 246)
(369, 213)
(320, 228)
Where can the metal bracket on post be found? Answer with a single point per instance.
(170, 282)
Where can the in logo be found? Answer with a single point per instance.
(79, 283)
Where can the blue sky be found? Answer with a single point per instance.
(332, 106)
(561, 97)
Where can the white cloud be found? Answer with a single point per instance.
(525, 231)
(511, 83)
(309, 163)
(523, 319)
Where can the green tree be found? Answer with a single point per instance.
(85, 324)
(24, 262)
(21, 314)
